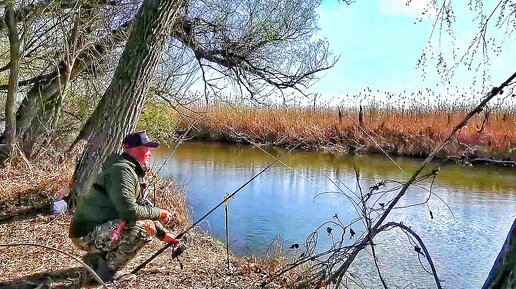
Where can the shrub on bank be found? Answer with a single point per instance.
(159, 120)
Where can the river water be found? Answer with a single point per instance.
(472, 208)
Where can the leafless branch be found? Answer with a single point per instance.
(97, 278)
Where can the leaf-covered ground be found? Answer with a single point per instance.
(203, 263)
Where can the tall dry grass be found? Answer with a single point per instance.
(411, 132)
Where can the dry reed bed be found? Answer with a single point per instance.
(410, 132)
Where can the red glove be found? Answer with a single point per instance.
(165, 216)
(170, 239)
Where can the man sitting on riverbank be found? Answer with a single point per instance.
(113, 221)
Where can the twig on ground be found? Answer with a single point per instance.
(97, 278)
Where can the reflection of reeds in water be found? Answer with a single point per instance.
(412, 132)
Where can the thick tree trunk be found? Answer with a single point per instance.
(118, 111)
(10, 105)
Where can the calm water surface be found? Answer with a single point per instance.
(463, 238)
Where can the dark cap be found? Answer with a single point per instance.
(139, 139)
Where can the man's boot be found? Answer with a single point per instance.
(97, 262)
(92, 259)
(105, 272)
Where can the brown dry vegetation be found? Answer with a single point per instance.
(413, 132)
(204, 261)
(26, 186)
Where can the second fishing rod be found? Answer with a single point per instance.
(135, 270)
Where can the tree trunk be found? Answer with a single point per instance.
(41, 126)
(49, 87)
(118, 111)
(36, 98)
(10, 105)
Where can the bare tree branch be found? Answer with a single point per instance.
(375, 228)
(97, 278)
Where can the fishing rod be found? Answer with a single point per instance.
(135, 270)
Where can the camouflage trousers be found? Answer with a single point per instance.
(115, 254)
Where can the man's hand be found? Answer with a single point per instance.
(148, 225)
(170, 239)
(165, 216)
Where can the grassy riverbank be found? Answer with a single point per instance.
(24, 187)
(409, 132)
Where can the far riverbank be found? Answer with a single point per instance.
(487, 139)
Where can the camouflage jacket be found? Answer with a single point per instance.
(116, 194)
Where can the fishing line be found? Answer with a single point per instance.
(289, 167)
(453, 273)
(266, 152)
(300, 174)
(363, 130)
(154, 182)
(242, 135)
(180, 142)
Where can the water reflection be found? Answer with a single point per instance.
(463, 241)
(493, 179)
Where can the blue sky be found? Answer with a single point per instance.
(379, 46)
